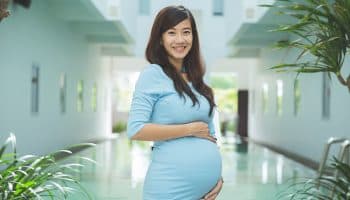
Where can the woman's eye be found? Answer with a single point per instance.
(187, 32)
(171, 33)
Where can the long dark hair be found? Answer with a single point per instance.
(167, 18)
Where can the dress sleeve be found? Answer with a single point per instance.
(147, 92)
(214, 123)
(211, 125)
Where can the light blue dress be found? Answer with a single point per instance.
(181, 169)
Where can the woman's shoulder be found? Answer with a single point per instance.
(153, 70)
(152, 79)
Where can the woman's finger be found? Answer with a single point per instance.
(213, 197)
(215, 191)
(212, 193)
(211, 138)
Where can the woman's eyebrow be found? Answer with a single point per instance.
(187, 29)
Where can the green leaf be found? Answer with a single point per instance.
(34, 177)
(323, 31)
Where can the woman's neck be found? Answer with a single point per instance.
(177, 64)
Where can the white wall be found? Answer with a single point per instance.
(306, 133)
(34, 35)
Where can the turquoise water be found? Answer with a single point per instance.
(251, 172)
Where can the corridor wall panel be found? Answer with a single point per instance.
(36, 36)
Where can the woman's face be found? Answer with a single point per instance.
(177, 41)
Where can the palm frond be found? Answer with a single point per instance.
(323, 188)
(34, 177)
(322, 29)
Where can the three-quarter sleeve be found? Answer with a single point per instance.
(147, 91)
(211, 127)
(214, 123)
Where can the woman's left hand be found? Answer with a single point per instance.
(215, 191)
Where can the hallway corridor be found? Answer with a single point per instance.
(69, 70)
(250, 172)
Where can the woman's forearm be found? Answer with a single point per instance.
(155, 132)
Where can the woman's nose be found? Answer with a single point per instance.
(179, 38)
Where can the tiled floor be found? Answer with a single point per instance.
(250, 172)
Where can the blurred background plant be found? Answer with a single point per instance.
(335, 187)
(225, 91)
(119, 127)
(35, 177)
(322, 30)
(3, 9)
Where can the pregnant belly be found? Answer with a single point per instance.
(188, 152)
(190, 166)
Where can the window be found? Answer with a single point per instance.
(279, 100)
(94, 98)
(297, 97)
(224, 86)
(80, 98)
(225, 89)
(63, 92)
(35, 89)
(218, 7)
(144, 7)
(123, 89)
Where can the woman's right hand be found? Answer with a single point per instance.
(200, 130)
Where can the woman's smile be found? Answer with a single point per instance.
(180, 49)
(177, 42)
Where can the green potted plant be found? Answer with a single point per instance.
(322, 30)
(34, 177)
(324, 188)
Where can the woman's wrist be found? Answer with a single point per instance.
(188, 130)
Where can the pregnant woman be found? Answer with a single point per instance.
(173, 106)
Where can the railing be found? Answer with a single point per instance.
(344, 151)
(330, 142)
(343, 156)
